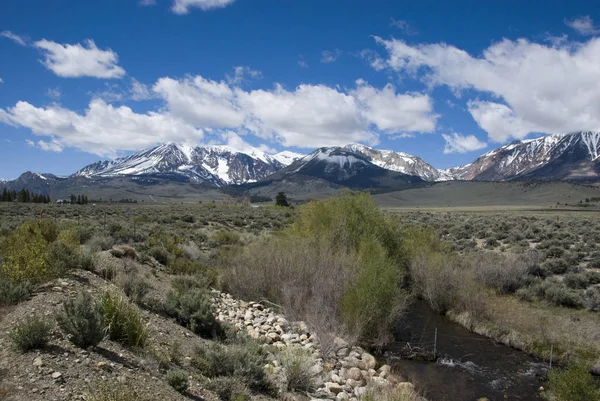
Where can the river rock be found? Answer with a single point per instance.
(354, 374)
(596, 369)
(342, 396)
(334, 388)
(369, 360)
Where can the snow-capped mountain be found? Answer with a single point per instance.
(342, 166)
(398, 161)
(219, 165)
(286, 157)
(572, 156)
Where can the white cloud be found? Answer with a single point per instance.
(1, 81)
(51, 146)
(242, 74)
(202, 102)
(395, 113)
(307, 116)
(147, 2)
(139, 91)
(584, 25)
(184, 6)
(404, 26)
(330, 56)
(534, 87)
(102, 129)
(14, 37)
(456, 143)
(72, 61)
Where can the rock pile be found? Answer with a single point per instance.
(345, 376)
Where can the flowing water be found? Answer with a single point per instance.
(468, 367)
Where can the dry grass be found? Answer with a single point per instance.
(534, 327)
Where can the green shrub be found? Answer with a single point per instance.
(123, 321)
(185, 266)
(224, 237)
(192, 308)
(33, 333)
(100, 243)
(178, 379)
(25, 255)
(229, 388)
(135, 287)
(13, 293)
(592, 299)
(298, 364)
(160, 254)
(82, 321)
(560, 295)
(577, 280)
(242, 360)
(573, 384)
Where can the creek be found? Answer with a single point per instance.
(468, 366)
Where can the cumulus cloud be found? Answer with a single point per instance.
(202, 102)
(307, 116)
(72, 61)
(1, 81)
(533, 87)
(14, 37)
(242, 74)
(393, 112)
(328, 56)
(457, 143)
(184, 6)
(102, 129)
(584, 25)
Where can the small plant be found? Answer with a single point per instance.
(225, 237)
(178, 379)
(116, 392)
(383, 393)
(244, 360)
(122, 321)
(229, 388)
(81, 320)
(298, 370)
(192, 308)
(13, 293)
(33, 333)
(135, 287)
(573, 384)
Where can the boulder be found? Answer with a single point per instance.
(354, 374)
(369, 360)
(596, 369)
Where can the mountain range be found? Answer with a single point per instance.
(571, 157)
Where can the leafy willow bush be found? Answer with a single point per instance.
(82, 320)
(37, 252)
(339, 267)
(573, 384)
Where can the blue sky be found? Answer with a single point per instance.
(446, 81)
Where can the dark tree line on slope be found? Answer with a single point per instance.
(23, 196)
(79, 199)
